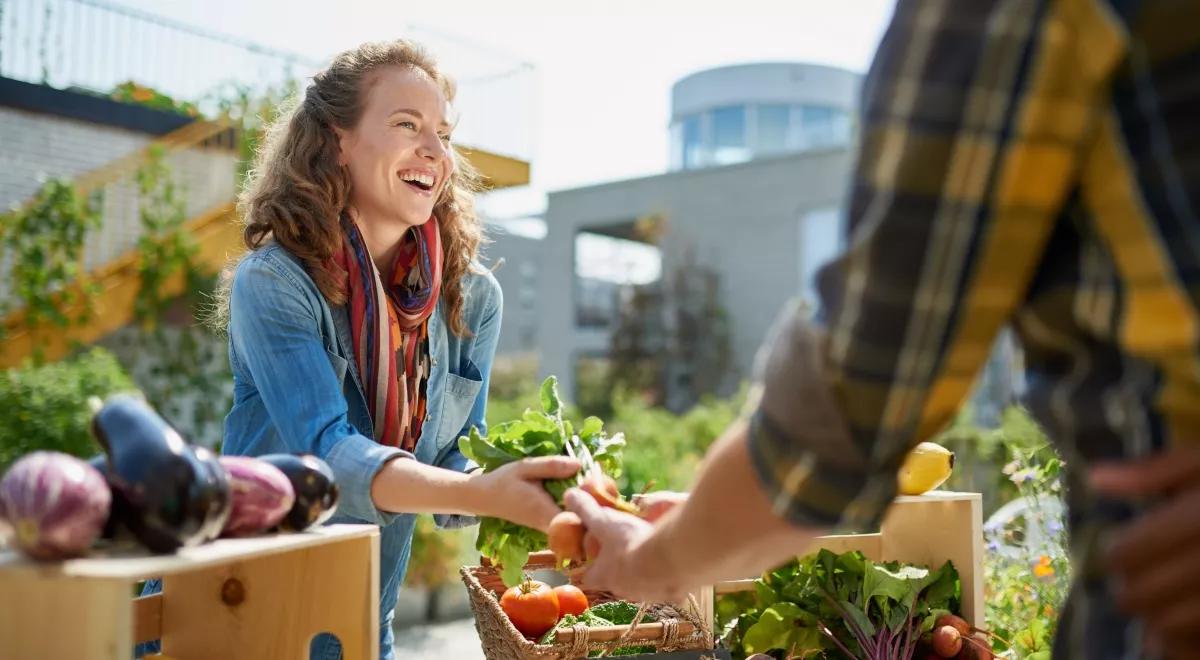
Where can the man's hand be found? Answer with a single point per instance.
(621, 538)
(1157, 556)
(656, 504)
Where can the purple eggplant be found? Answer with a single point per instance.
(315, 488)
(118, 510)
(173, 493)
(215, 479)
(56, 504)
(262, 495)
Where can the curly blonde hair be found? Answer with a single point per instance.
(297, 191)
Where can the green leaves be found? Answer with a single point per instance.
(551, 404)
(45, 240)
(619, 612)
(827, 602)
(784, 626)
(534, 433)
(615, 613)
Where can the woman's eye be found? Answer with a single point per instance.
(445, 138)
(407, 124)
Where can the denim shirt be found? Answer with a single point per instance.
(297, 389)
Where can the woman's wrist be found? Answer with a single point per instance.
(472, 492)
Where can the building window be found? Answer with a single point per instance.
(729, 135)
(693, 143)
(822, 127)
(772, 133)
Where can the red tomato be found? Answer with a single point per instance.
(571, 600)
(532, 606)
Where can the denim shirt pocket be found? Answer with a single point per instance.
(460, 395)
(339, 364)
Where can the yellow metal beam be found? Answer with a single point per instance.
(219, 238)
(498, 171)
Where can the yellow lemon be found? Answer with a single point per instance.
(926, 467)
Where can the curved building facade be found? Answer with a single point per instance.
(737, 113)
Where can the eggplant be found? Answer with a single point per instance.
(315, 488)
(56, 504)
(216, 478)
(173, 494)
(262, 495)
(119, 509)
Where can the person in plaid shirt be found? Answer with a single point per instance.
(1026, 163)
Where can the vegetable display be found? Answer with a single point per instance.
(152, 485)
(543, 433)
(829, 605)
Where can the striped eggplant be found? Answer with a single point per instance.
(55, 503)
(315, 488)
(262, 495)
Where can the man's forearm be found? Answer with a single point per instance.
(726, 529)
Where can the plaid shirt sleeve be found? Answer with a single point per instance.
(973, 119)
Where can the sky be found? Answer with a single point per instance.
(594, 104)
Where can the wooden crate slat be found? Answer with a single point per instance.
(133, 564)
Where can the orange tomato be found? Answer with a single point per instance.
(571, 600)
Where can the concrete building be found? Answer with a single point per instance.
(516, 261)
(760, 158)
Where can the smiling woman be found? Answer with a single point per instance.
(361, 328)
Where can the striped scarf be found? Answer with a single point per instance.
(392, 348)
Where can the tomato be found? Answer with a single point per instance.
(532, 606)
(571, 600)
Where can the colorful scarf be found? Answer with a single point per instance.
(390, 328)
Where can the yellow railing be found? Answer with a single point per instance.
(215, 229)
(117, 279)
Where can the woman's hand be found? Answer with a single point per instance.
(514, 491)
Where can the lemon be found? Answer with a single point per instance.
(926, 467)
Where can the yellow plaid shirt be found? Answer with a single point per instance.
(1025, 163)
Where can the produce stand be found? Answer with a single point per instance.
(925, 530)
(259, 597)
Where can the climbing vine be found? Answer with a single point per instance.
(42, 244)
(181, 373)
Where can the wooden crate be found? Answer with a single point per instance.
(261, 597)
(925, 530)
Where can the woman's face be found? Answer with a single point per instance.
(399, 153)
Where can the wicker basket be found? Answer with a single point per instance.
(674, 628)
